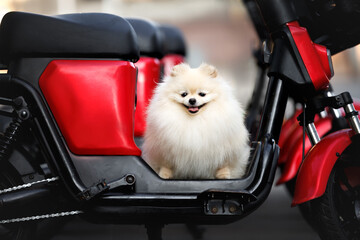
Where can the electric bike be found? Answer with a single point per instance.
(71, 97)
(332, 212)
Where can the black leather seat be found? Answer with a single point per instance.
(174, 40)
(86, 35)
(149, 36)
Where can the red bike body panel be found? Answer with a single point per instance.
(92, 102)
(148, 78)
(296, 133)
(315, 171)
(356, 104)
(324, 59)
(314, 56)
(323, 126)
(287, 130)
(171, 60)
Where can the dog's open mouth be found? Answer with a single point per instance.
(194, 109)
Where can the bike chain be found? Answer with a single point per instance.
(36, 217)
(27, 185)
(39, 217)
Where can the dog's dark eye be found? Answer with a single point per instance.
(201, 94)
(184, 94)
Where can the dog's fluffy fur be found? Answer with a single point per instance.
(195, 127)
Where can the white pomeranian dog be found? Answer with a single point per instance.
(195, 127)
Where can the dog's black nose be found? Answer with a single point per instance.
(192, 101)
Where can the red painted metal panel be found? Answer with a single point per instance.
(93, 104)
(287, 130)
(315, 171)
(171, 60)
(314, 57)
(148, 78)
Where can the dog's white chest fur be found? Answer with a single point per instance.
(197, 152)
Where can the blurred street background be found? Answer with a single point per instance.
(218, 32)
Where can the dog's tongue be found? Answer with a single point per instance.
(193, 109)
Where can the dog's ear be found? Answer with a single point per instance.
(178, 69)
(209, 69)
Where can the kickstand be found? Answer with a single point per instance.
(154, 231)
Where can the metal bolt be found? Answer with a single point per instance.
(130, 179)
(24, 114)
(232, 209)
(214, 209)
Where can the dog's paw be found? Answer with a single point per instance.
(223, 173)
(165, 173)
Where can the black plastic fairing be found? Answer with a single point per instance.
(30, 69)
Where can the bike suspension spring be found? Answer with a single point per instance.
(8, 138)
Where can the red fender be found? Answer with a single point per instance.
(356, 104)
(292, 154)
(315, 170)
(287, 130)
(290, 141)
(323, 126)
(148, 78)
